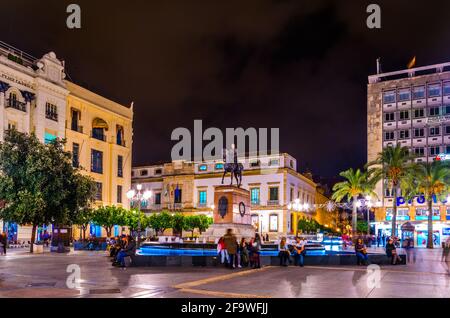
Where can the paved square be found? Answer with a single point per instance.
(45, 275)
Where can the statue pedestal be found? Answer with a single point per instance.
(231, 211)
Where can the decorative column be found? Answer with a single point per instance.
(28, 98)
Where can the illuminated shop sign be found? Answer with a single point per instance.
(422, 214)
(420, 200)
(446, 231)
(402, 214)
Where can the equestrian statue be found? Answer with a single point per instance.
(232, 165)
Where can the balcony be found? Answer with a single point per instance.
(201, 205)
(98, 135)
(51, 116)
(120, 142)
(273, 202)
(77, 128)
(13, 103)
(175, 206)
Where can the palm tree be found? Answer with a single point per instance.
(432, 181)
(393, 164)
(356, 184)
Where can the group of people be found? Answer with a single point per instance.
(294, 250)
(239, 254)
(391, 251)
(121, 247)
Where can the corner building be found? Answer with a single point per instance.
(410, 107)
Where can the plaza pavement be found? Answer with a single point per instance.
(44, 275)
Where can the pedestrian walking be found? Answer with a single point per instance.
(446, 250)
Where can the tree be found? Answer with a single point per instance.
(132, 216)
(178, 223)
(160, 221)
(108, 216)
(357, 183)
(431, 180)
(203, 222)
(393, 164)
(83, 219)
(38, 182)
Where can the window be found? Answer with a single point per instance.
(389, 117)
(202, 168)
(144, 173)
(389, 135)
(291, 164)
(403, 134)
(132, 173)
(75, 120)
(99, 194)
(274, 162)
(98, 133)
(419, 132)
(434, 90)
(434, 151)
(119, 136)
(434, 111)
(158, 198)
(435, 131)
(419, 113)
(419, 92)
(75, 155)
(158, 171)
(404, 114)
(422, 213)
(273, 223)
(291, 194)
(419, 151)
(96, 161)
(12, 125)
(387, 193)
(120, 166)
(51, 111)
(402, 214)
(177, 195)
(273, 194)
(389, 97)
(202, 197)
(447, 151)
(218, 166)
(447, 88)
(447, 130)
(404, 94)
(254, 195)
(446, 109)
(119, 194)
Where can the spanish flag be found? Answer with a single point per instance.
(412, 63)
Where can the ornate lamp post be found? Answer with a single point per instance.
(139, 196)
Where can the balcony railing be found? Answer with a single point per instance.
(273, 202)
(201, 205)
(175, 206)
(255, 202)
(14, 103)
(51, 116)
(120, 142)
(77, 128)
(98, 136)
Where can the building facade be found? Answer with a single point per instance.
(273, 182)
(36, 98)
(410, 107)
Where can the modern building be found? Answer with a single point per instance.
(36, 98)
(279, 194)
(410, 107)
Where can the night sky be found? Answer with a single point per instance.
(301, 66)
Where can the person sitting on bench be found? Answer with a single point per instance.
(361, 253)
(391, 251)
(128, 250)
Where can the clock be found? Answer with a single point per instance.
(242, 208)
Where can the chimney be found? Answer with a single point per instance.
(379, 65)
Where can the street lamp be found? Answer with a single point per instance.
(139, 196)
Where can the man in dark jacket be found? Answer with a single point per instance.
(3, 242)
(231, 245)
(128, 250)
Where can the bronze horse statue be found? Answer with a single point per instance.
(235, 170)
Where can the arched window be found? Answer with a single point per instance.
(99, 126)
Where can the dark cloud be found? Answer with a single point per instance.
(301, 66)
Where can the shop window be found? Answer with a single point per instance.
(422, 214)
